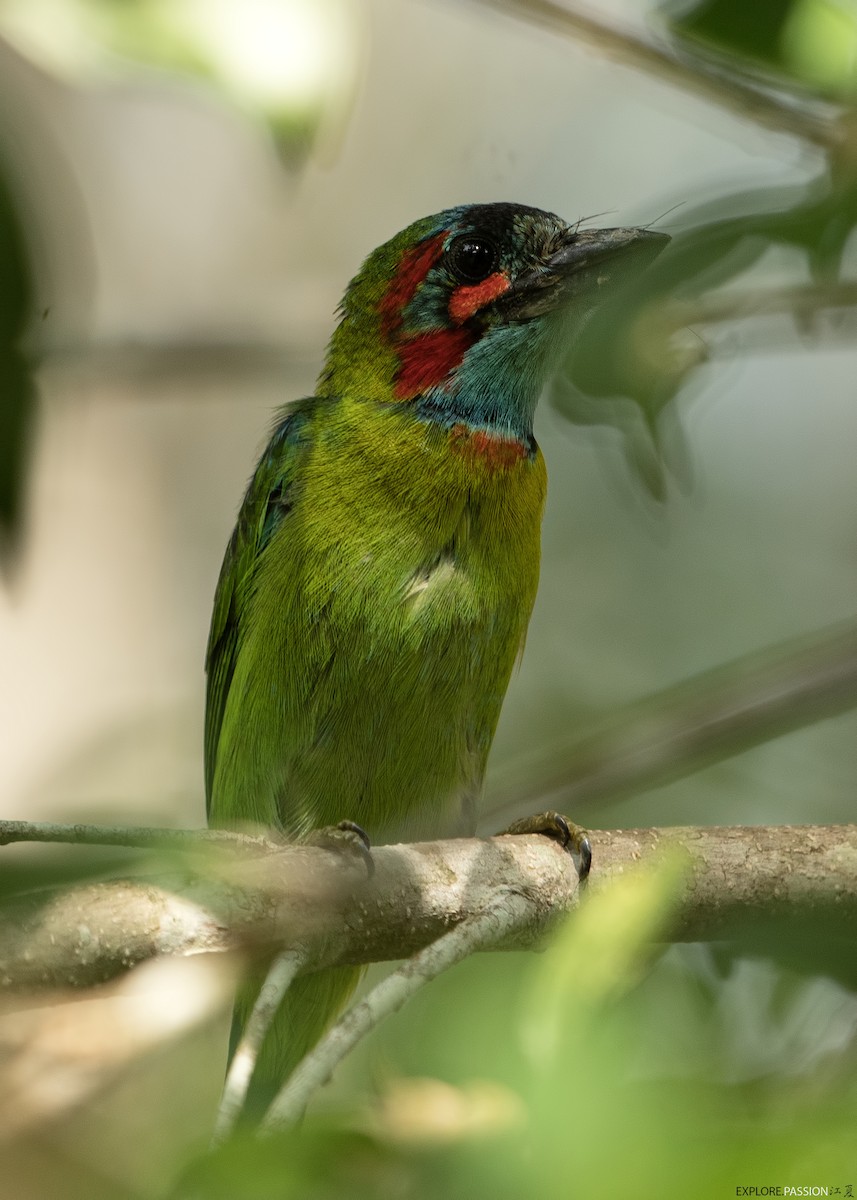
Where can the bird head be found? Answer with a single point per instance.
(465, 314)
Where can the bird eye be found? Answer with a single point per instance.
(472, 259)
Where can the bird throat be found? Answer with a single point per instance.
(491, 450)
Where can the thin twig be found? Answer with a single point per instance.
(511, 911)
(133, 837)
(693, 74)
(277, 982)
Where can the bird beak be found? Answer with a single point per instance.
(589, 259)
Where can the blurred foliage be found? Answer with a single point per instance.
(612, 1073)
(633, 356)
(810, 42)
(17, 392)
(283, 60)
(37, 872)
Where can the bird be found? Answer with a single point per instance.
(376, 591)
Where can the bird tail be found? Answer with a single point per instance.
(311, 1004)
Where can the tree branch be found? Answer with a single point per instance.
(279, 979)
(684, 728)
(301, 896)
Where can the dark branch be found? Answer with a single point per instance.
(701, 721)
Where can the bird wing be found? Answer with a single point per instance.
(267, 501)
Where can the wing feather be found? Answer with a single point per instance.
(267, 501)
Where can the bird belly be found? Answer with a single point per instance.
(405, 708)
(369, 689)
(386, 617)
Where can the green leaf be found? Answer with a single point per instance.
(599, 952)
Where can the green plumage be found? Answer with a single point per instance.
(367, 621)
(372, 602)
(377, 588)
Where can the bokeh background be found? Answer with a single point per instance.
(186, 189)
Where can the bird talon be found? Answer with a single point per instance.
(346, 837)
(559, 829)
(353, 827)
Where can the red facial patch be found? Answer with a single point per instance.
(428, 358)
(486, 447)
(415, 264)
(465, 301)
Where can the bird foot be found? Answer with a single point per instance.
(571, 837)
(346, 838)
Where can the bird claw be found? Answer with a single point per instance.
(571, 837)
(346, 838)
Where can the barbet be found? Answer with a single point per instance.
(377, 587)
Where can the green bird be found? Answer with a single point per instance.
(376, 591)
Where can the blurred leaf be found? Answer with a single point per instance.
(820, 942)
(630, 359)
(808, 42)
(286, 60)
(819, 44)
(37, 873)
(17, 392)
(752, 30)
(598, 953)
(71, 1045)
(322, 1161)
(426, 1111)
